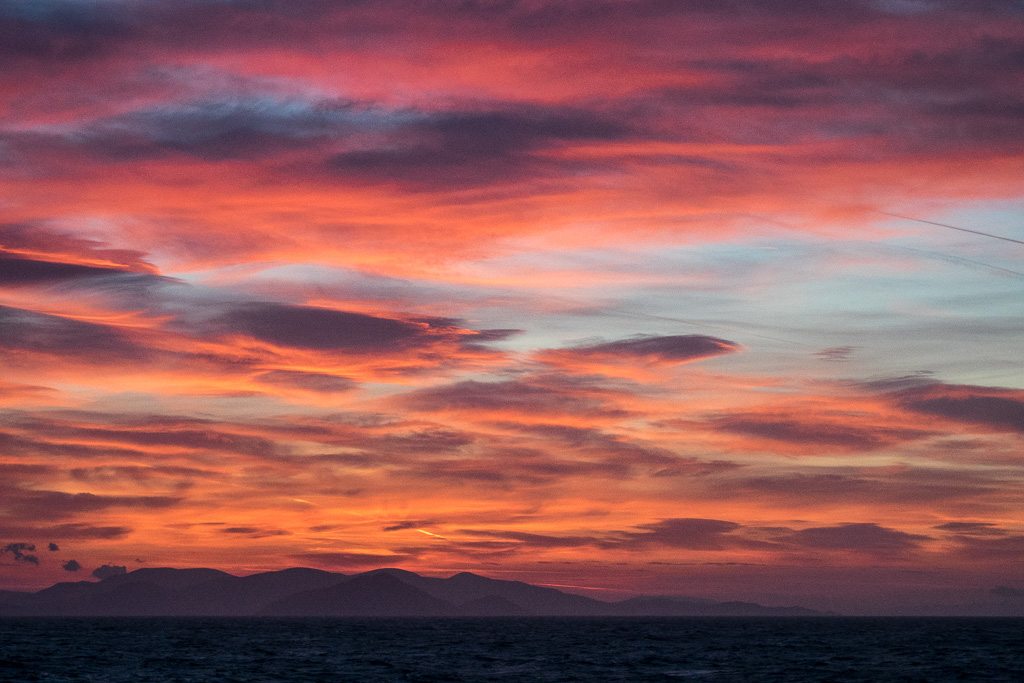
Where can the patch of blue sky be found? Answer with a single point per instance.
(271, 113)
(785, 296)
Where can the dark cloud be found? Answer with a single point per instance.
(494, 335)
(107, 571)
(972, 528)
(514, 396)
(53, 505)
(64, 246)
(121, 286)
(26, 271)
(309, 327)
(596, 442)
(836, 353)
(59, 30)
(465, 149)
(424, 441)
(355, 560)
(505, 467)
(68, 30)
(53, 547)
(861, 537)
(231, 128)
(254, 532)
(999, 549)
(688, 533)
(20, 552)
(893, 384)
(307, 381)
(22, 330)
(146, 434)
(806, 431)
(933, 94)
(14, 444)
(680, 348)
(1007, 592)
(71, 566)
(415, 148)
(998, 409)
(66, 531)
(682, 533)
(191, 439)
(538, 540)
(862, 485)
(179, 477)
(408, 524)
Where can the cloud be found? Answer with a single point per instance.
(310, 327)
(863, 537)
(999, 549)
(995, 408)
(59, 31)
(240, 127)
(67, 250)
(1007, 592)
(72, 433)
(537, 540)
(435, 440)
(503, 398)
(972, 528)
(408, 524)
(254, 532)
(595, 442)
(18, 550)
(354, 560)
(307, 381)
(71, 566)
(26, 331)
(16, 271)
(807, 430)
(53, 547)
(108, 571)
(652, 350)
(863, 485)
(468, 149)
(53, 505)
(77, 530)
(836, 353)
(686, 533)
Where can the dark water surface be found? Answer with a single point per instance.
(512, 649)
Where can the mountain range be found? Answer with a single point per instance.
(304, 592)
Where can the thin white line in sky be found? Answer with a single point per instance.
(952, 227)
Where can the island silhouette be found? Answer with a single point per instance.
(306, 592)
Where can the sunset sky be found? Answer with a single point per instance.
(723, 299)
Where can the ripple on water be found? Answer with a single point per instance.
(535, 650)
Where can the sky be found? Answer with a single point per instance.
(720, 299)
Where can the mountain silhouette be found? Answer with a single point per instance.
(304, 592)
(373, 595)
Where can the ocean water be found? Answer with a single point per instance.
(751, 650)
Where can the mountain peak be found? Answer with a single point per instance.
(301, 591)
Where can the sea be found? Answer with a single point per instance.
(751, 650)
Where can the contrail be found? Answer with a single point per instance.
(952, 227)
(961, 260)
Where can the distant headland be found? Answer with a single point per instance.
(305, 592)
